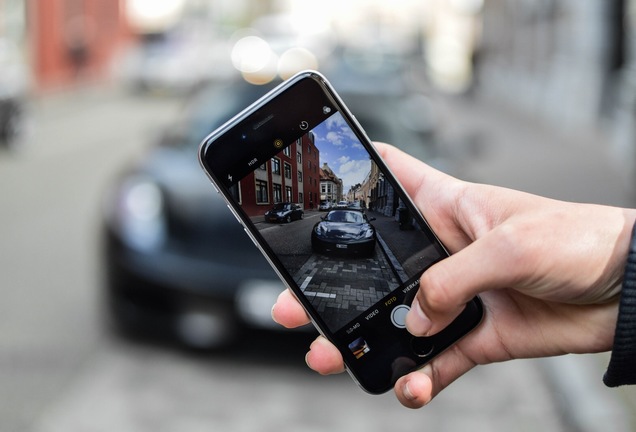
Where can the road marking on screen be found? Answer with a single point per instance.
(318, 294)
(304, 286)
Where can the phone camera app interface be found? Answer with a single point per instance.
(338, 226)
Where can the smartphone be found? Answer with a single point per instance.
(305, 181)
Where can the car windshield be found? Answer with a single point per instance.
(279, 207)
(344, 216)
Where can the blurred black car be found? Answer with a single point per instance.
(14, 85)
(176, 262)
(11, 118)
(284, 212)
(347, 232)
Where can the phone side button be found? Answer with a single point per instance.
(249, 234)
(422, 346)
(237, 217)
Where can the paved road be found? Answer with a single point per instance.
(61, 371)
(343, 285)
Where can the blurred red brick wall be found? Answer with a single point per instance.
(74, 40)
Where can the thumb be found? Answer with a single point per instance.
(447, 286)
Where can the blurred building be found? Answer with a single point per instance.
(568, 62)
(72, 40)
(12, 19)
(556, 58)
(622, 118)
(64, 40)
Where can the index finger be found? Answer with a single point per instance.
(433, 192)
(411, 172)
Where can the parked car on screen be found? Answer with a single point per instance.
(324, 205)
(284, 212)
(357, 205)
(347, 232)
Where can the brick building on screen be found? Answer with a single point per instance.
(292, 175)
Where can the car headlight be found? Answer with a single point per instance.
(368, 233)
(141, 214)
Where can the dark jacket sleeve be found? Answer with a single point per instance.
(622, 365)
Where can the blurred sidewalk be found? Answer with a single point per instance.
(489, 142)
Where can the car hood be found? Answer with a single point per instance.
(336, 230)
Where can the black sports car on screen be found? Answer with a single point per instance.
(284, 212)
(344, 231)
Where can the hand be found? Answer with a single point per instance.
(548, 272)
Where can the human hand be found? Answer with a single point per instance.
(548, 272)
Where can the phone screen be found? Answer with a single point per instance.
(357, 252)
(336, 225)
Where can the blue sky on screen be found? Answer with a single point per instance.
(342, 151)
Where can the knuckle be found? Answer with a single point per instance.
(435, 294)
(514, 242)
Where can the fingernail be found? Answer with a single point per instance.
(272, 313)
(406, 391)
(307, 361)
(423, 324)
